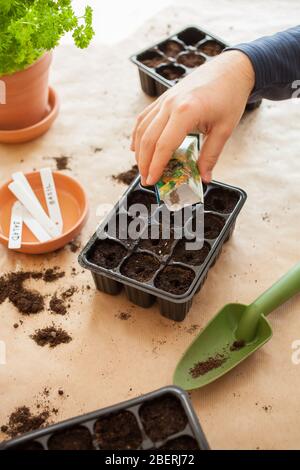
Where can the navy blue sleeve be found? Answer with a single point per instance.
(276, 62)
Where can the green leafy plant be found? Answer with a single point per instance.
(29, 28)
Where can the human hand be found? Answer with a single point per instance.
(211, 100)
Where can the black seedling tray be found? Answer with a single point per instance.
(162, 65)
(110, 259)
(163, 419)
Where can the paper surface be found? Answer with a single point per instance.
(110, 360)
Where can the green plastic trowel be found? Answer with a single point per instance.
(232, 335)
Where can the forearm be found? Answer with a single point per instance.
(276, 63)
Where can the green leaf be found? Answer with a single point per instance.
(28, 28)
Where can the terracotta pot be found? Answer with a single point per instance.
(24, 95)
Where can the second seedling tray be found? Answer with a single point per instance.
(160, 269)
(164, 64)
(163, 420)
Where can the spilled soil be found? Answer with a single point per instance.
(62, 163)
(51, 336)
(127, 177)
(60, 305)
(27, 301)
(23, 420)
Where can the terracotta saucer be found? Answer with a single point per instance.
(73, 204)
(26, 134)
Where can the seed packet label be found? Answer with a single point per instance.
(16, 227)
(34, 208)
(51, 197)
(180, 184)
(40, 234)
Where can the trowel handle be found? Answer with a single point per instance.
(280, 292)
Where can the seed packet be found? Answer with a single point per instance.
(180, 184)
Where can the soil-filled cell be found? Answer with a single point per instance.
(163, 417)
(194, 257)
(213, 225)
(191, 36)
(170, 72)
(211, 48)
(119, 431)
(107, 254)
(171, 48)
(140, 267)
(146, 200)
(191, 59)
(30, 445)
(181, 443)
(77, 438)
(175, 279)
(221, 201)
(151, 59)
(158, 240)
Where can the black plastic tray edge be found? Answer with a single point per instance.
(172, 389)
(151, 290)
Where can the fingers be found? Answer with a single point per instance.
(143, 126)
(210, 151)
(149, 140)
(170, 139)
(139, 119)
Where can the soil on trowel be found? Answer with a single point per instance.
(119, 431)
(107, 253)
(51, 336)
(77, 438)
(201, 368)
(181, 443)
(163, 417)
(140, 266)
(23, 420)
(27, 301)
(237, 345)
(127, 177)
(175, 279)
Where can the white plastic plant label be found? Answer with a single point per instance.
(16, 227)
(51, 197)
(34, 208)
(40, 234)
(19, 176)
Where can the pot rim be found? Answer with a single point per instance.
(42, 57)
